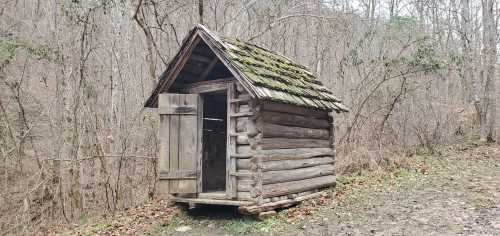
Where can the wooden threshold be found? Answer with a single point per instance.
(213, 195)
(212, 201)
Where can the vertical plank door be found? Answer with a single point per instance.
(179, 142)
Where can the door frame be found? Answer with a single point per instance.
(204, 88)
(199, 165)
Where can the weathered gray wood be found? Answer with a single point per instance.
(241, 173)
(174, 144)
(179, 174)
(231, 178)
(294, 120)
(180, 148)
(255, 209)
(282, 131)
(207, 86)
(281, 189)
(241, 155)
(164, 136)
(291, 164)
(244, 196)
(268, 206)
(199, 165)
(246, 164)
(241, 114)
(242, 139)
(177, 110)
(213, 195)
(242, 99)
(243, 108)
(252, 127)
(243, 149)
(237, 133)
(292, 109)
(241, 124)
(188, 142)
(293, 154)
(212, 201)
(280, 176)
(244, 177)
(286, 143)
(245, 185)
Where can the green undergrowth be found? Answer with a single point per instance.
(96, 228)
(8, 49)
(237, 226)
(250, 225)
(170, 226)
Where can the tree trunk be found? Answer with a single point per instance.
(488, 109)
(200, 11)
(466, 37)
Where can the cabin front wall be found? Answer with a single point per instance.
(240, 115)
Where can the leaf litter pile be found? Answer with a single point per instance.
(133, 221)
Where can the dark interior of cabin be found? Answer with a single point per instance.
(214, 142)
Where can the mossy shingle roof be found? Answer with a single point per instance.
(278, 78)
(271, 76)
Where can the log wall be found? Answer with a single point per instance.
(294, 154)
(281, 151)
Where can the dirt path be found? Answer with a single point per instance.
(457, 192)
(449, 195)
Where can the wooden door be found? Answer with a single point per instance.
(180, 143)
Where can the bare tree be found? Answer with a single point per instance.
(489, 58)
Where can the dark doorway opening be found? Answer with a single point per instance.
(214, 142)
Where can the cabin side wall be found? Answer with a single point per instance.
(295, 151)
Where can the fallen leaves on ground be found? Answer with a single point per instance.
(132, 221)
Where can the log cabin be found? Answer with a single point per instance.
(242, 125)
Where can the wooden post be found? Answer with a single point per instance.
(231, 185)
(199, 160)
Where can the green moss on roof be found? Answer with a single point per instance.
(277, 77)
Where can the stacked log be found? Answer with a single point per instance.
(295, 151)
(286, 152)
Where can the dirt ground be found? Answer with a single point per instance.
(456, 192)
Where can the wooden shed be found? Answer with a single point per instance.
(242, 125)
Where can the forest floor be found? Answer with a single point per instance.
(456, 191)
